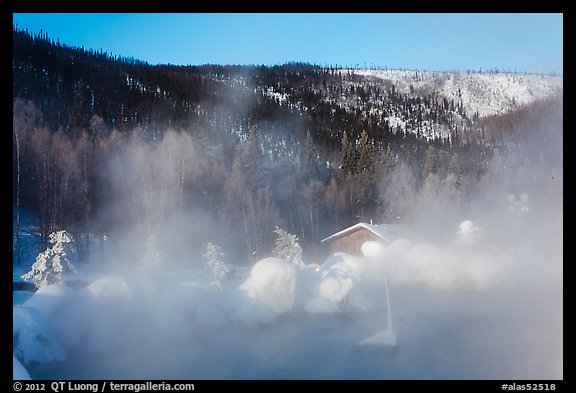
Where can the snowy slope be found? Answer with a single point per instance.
(485, 93)
(429, 104)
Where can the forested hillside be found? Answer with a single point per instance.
(192, 154)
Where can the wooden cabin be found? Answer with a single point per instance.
(350, 240)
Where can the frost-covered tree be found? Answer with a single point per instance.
(215, 264)
(288, 248)
(51, 263)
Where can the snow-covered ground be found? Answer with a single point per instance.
(487, 93)
(459, 311)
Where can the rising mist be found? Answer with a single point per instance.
(476, 273)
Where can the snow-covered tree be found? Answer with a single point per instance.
(288, 248)
(51, 263)
(215, 264)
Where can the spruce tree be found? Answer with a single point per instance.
(347, 157)
(288, 248)
(51, 263)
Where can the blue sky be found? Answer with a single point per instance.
(516, 42)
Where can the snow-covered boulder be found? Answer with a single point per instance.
(272, 282)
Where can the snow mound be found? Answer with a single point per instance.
(272, 282)
(459, 265)
(335, 287)
(337, 290)
(400, 246)
(35, 327)
(51, 298)
(110, 287)
(345, 265)
(33, 339)
(372, 248)
(113, 313)
(18, 370)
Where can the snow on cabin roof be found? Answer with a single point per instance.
(385, 232)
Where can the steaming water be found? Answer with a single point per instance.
(441, 335)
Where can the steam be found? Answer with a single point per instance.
(475, 288)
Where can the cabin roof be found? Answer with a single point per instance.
(385, 232)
